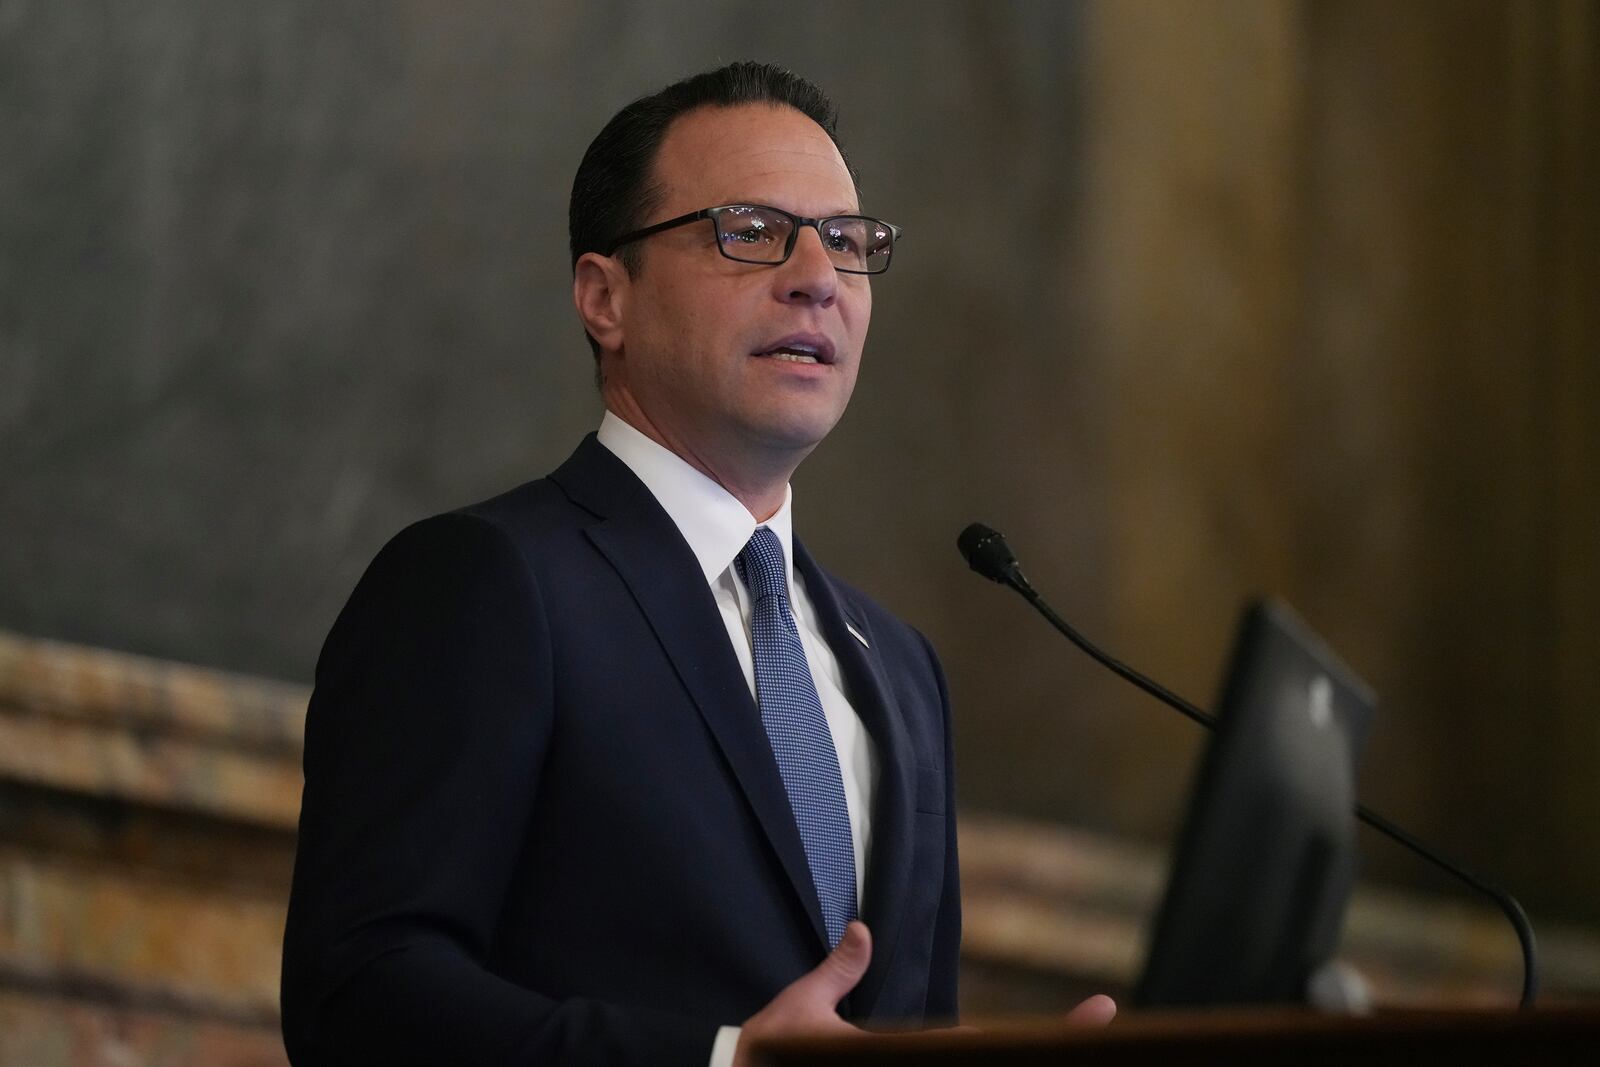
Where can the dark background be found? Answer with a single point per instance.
(1196, 301)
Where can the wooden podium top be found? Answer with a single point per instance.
(1276, 1036)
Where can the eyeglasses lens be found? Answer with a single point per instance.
(753, 234)
(855, 243)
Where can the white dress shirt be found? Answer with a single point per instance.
(717, 526)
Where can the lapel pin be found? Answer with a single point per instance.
(855, 633)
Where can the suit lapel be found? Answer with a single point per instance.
(889, 866)
(643, 545)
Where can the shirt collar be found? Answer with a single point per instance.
(711, 519)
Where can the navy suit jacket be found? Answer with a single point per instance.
(542, 822)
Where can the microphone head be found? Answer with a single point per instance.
(987, 553)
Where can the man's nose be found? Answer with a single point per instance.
(808, 275)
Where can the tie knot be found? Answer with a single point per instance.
(761, 566)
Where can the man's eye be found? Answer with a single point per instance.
(749, 234)
(839, 239)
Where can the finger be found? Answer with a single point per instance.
(839, 973)
(1096, 1011)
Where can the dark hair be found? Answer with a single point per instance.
(614, 189)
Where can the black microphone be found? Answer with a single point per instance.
(987, 553)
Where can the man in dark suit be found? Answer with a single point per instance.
(604, 767)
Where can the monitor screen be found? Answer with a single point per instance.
(1263, 869)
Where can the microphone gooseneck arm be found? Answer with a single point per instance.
(986, 552)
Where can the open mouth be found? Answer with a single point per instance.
(800, 350)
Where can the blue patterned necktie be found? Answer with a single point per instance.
(791, 711)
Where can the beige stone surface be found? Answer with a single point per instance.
(112, 724)
(214, 948)
(146, 768)
(48, 1031)
(76, 682)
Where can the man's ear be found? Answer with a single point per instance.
(600, 292)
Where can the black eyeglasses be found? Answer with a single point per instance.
(754, 233)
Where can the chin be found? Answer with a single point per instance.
(794, 433)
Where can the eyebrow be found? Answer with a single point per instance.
(758, 202)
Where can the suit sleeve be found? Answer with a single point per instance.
(943, 973)
(424, 740)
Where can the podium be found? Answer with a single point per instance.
(1269, 1036)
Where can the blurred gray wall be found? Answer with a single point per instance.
(1197, 300)
(279, 278)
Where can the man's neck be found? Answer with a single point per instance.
(760, 487)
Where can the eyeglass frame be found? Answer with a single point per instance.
(801, 222)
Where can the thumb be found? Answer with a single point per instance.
(839, 973)
(1098, 1010)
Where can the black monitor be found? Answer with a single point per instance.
(1255, 901)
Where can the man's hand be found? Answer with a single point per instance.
(810, 1004)
(1095, 1011)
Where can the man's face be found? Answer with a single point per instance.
(699, 330)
